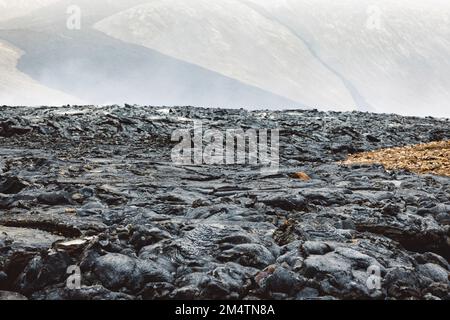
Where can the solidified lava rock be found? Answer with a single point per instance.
(95, 187)
(8, 129)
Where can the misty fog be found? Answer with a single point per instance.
(380, 55)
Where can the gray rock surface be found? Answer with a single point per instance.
(94, 187)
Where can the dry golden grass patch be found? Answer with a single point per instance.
(424, 158)
(301, 175)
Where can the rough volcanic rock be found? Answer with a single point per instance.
(117, 271)
(94, 189)
(14, 296)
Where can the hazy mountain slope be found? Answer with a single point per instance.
(54, 17)
(14, 8)
(402, 67)
(17, 88)
(378, 55)
(100, 69)
(232, 39)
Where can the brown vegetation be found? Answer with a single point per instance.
(433, 158)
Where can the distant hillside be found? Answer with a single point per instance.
(18, 88)
(232, 39)
(99, 69)
(381, 56)
(393, 54)
(12, 9)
